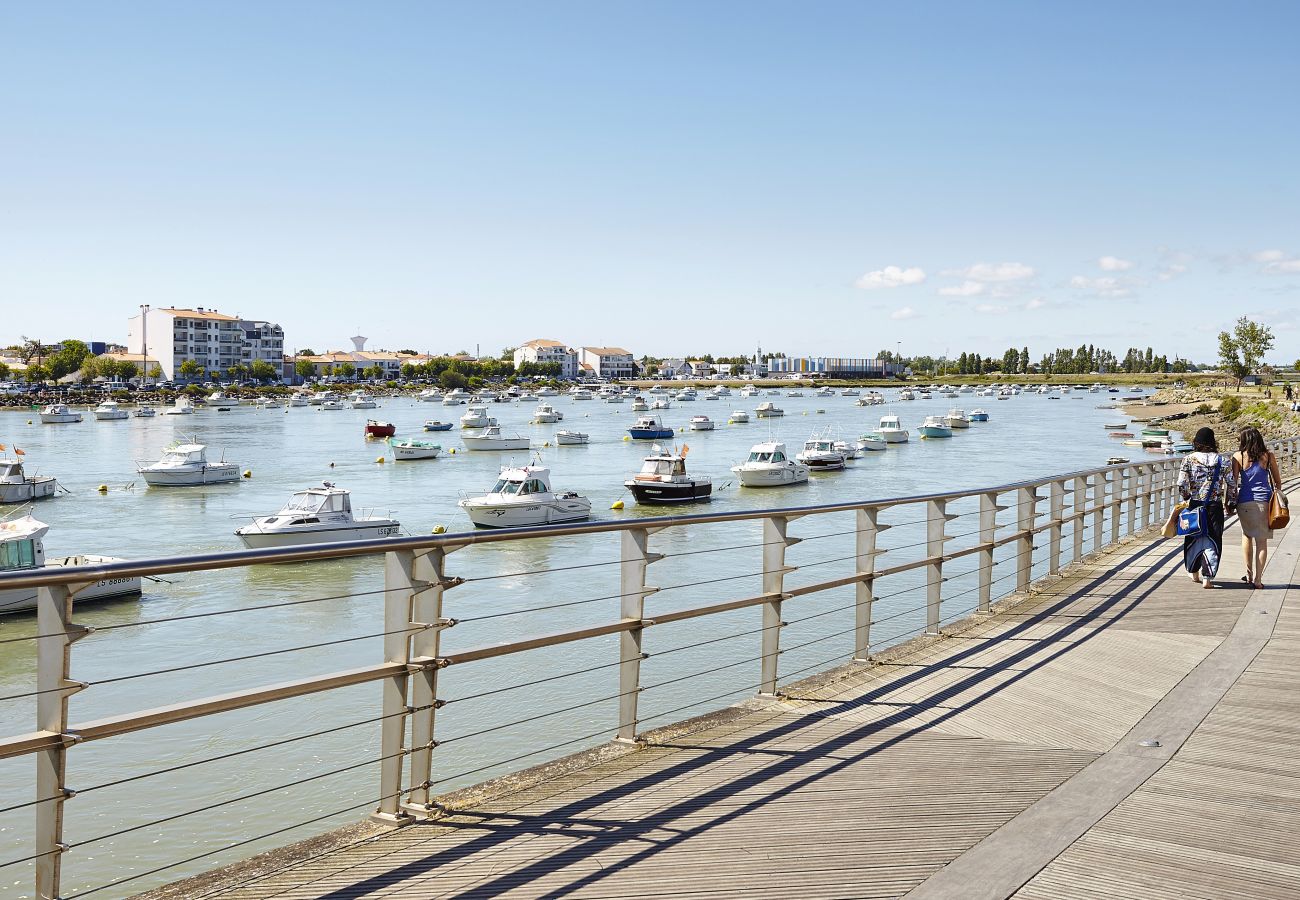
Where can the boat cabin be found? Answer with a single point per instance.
(661, 468)
(529, 480)
(11, 472)
(309, 506)
(767, 453)
(21, 547)
(890, 423)
(184, 455)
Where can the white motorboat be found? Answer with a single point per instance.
(661, 403)
(429, 395)
(523, 497)
(333, 404)
(59, 414)
(850, 392)
(613, 398)
(906, 394)
(180, 407)
(956, 418)
(299, 400)
(267, 403)
(847, 450)
(22, 549)
(476, 417)
(492, 438)
(710, 396)
(768, 410)
(16, 486)
(701, 423)
(820, 454)
(793, 393)
(891, 430)
(769, 466)
(686, 396)
(321, 515)
(663, 479)
(145, 412)
(220, 398)
(109, 411)
(362, 400)
(187, 465)
(548, 392)
(456, 397)
(871, 442)
(570, 438)
(580, 394)
(546, 414)
(639, 404)
(826, 391)
(409, 448)
(749, 391)
(738, 417)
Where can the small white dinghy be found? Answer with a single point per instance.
(410, 448)
(571, 437)
(318, 515)
(523, 497)
(58, 414)
(492, 438)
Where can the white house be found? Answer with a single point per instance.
(673, 368)
(608, 362)
(546, 351)
(212, 339)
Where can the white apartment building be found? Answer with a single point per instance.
(212, 339)
(544, 350)
(608, 362)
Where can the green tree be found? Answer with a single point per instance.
(346, 370)
(69, 358)
(36, 372)
(191, 369)
(452, 379)
(1242, 349)
(307, 351)
(409, 371)
(261, 370)
(374, 371)
(156, 372)
(304, 369)
(4, 370)
(1024, 360)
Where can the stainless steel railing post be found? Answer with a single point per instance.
(1056, 507)
(868, 528)
(1116, 480)
(635, 559)
(1144, 497)
(775, 542)
(430, 575)
(399, 591)
(989, 509)
(936, 519)
(1131, 494)
(54, 682)
(1078, 502)
(1098, 509)
(1026, 508)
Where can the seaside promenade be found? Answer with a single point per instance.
(1115, 731)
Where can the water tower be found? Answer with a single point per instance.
(359, 343)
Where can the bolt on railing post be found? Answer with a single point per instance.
(1078, 501)
(1131, 485)
(53, 681)
(1056, 507)
(988, 534)
(1026, 506)
(936, 518)
(635, 560)
(1099, 482)
(775, 542)
(429, 571)
(867, 521)
(399, 591)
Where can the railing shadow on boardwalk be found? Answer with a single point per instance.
(606, 832)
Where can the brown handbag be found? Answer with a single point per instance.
(1279, 514)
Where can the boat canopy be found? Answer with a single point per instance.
(663, 465)
(185, 453)
(319, 500)
(19, 547)
(11, 468)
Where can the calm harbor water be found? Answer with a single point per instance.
(113, 823)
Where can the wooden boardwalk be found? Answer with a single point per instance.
(1007, 759)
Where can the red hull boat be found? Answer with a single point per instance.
(380, 429)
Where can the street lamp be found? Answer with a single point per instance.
(144, 344)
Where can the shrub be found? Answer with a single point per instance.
(1202, 410)
(1229, 407)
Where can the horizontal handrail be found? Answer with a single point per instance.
(228, 559)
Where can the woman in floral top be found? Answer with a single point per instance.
(1206, 481)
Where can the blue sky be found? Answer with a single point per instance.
(824, 178)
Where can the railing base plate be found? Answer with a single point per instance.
(395, 819)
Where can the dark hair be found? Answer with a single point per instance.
(1205, 442)
(1251, 442)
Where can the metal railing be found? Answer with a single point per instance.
(1110, 502)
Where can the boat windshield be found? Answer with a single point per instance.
(11, 470)
(181, 457)
(506, 486)
(17, 555)
(760, 457)
(304, 502)
(658, 467)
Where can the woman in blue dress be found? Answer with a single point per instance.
(1207, 482)
(1257, 470)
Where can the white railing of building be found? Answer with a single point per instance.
(1111, 502)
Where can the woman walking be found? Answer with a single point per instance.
(1257, 471)
(1208, 483)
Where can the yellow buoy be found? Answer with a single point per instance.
(439, 529)
(617, 504)
(248, 473)
(453, 451)
(379, 459)
(627, 437)
(546, 443)
(29, 421)
(103, 489)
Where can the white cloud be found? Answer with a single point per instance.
(1114, 264)
(965, 289)
(1036, 303)
(1282, 267)
(1105, 286)
(994, 272)
(890, 277)
(906, 312)
(1171, 271)
(1265, 256)
(990, 309)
